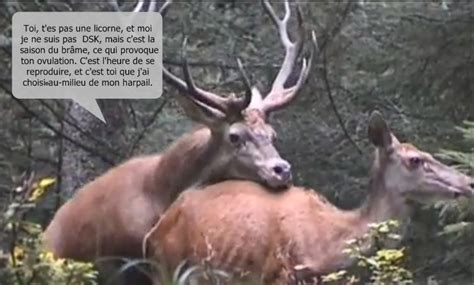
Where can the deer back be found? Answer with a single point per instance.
(97, 218)
(262, 233)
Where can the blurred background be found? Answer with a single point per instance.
(413, 61)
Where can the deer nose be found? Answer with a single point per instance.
(283, 170)
(471, 185)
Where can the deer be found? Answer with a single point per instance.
(234, 141)
(284, 237)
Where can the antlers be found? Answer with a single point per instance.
(279, 95)
(211, 103)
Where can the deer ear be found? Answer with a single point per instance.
(379, 133)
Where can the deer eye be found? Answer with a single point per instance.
(234, 138)
(415, 162)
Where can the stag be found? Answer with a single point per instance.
(111, 215)
(282, 238)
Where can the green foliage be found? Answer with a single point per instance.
(384, 266)
(465, 159)
(456, 219)
(26, 262)
(340, 276)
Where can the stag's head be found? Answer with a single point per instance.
(240, 123)
(413, 173)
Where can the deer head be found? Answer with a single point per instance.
(239, 123)
(410, 172)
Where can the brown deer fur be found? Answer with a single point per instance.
(111, 215)
(239, 226)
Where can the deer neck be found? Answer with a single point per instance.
(191, 161)
(382, 204)
(384, 201)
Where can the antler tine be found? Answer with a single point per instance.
(187, 86)
(245, 101)
(290, 47)
(279, 97)
(152, 6)
(301, 34)
(306, 69)
(139, 6)
(164, 7)
(114, 5)
(201, 97)
(283, 98)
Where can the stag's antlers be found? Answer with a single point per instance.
(210, 103)
(279, 95)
